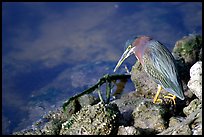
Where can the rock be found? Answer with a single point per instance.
(188, 126)
(194, 105)
(57, 115)
(92, 120)
(52, 128)
(129, 130)
(149, 118)
(197, 130)
(185, 130)
(187, 51)
(174, 121)
(182, 130)
(179, 130)
(196, 71)
(188, 48)
(195, 83)
(87, 100)
(196, 125)
(126, 105)
(76, 104)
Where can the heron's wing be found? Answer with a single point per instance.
(160, 65)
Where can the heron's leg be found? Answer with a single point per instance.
(172, 97)
(157, 94)
(127, 70)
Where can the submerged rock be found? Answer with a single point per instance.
(29, 132)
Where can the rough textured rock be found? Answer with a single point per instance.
(182, 130)
(57, 115)
(188, 48)
(149, 117)
(87, 100)
(129, 130)
(194, 105)
(126, 105)
(192, 124)
(197, 130)
(196, 125)
(76, 104)
(185, 130)
(187, 51)
(175, 121)
(92, 120)
(195, 83)
(52, 128)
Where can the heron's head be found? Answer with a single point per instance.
(135, 46)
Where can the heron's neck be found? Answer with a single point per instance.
(141, 45)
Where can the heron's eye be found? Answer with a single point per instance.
(129, 42)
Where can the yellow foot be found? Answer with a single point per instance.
(172, 97)
(159, 101)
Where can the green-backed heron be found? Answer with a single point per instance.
(158, 63)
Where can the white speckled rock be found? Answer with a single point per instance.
(129, 130)
(195, 83)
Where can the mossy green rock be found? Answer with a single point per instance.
(189, 49)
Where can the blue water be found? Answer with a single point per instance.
(51, 51)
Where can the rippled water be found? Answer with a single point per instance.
(51, 51)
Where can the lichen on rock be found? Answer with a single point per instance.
(92, 120)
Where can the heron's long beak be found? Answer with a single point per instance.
(129, 51)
